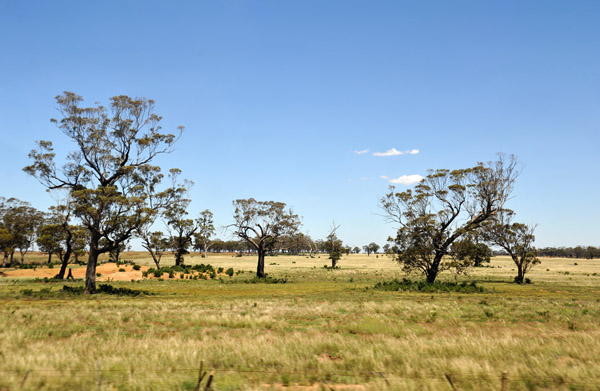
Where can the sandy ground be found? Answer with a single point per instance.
(108, 272)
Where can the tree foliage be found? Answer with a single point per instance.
(517, 240)
(442, 208)
(262, 224)
(106, 172)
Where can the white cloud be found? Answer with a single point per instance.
(395, 152)
(406, 179)
(362, 151)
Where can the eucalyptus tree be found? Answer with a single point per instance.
(63, 235)
(371, 248)
(262, 224)
(442, 208)
(334, 245)
(112, 148)
(180, 227)
(21, 221)
(206, 229)
(516, 239)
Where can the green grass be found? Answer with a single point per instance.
(326, 328)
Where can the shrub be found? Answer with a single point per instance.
(220, 270)
(105, 289)
(121, 269)
(136, 267)
(158, 273)
(229, 272)
(422, 286)
(266, 280)
(98, 274)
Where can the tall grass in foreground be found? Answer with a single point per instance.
(321, 328)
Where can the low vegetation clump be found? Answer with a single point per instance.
(422, 286)
(266, 280)
(106, 289)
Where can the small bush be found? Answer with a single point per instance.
(136, 267)
(422, 286)
(98, 274)
(220, 270)
(105, 289)
(158, 273)
(121, 269)
(229, 272)
(266, 280)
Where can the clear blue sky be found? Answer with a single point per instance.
(277, 95)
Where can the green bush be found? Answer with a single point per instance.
(229, 272)
(422, 286)
(121, 269)
(136, 267)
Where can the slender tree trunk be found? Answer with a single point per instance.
(66, 256)
(49, 257)
(260, 268)
(12, 257)
(5, 260)
(65, 262)
(90, 272)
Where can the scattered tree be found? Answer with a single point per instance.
(517, 240)
(261, 224)
(105, 173)
(334, 246)
(206, 230)
(371, 248)
(442, 208)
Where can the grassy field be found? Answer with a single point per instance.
(323, 329)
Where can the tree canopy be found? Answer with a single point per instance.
(106, 172)
(262, 224)
(442, 208)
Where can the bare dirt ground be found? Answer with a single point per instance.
(107, 271)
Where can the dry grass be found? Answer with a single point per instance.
(322, 329)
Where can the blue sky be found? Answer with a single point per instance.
(277, 95)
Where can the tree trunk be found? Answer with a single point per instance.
(65, 262)
(434, 269)
(90, 272)
(520, 274)
(333, 263)
(5, 260)
(12, 257)
(260, 268)
(49, 257)
(66, 256)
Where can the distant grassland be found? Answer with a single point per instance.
(320, 330)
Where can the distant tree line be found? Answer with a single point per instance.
(580, 252)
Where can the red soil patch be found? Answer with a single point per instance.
(108, 272)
